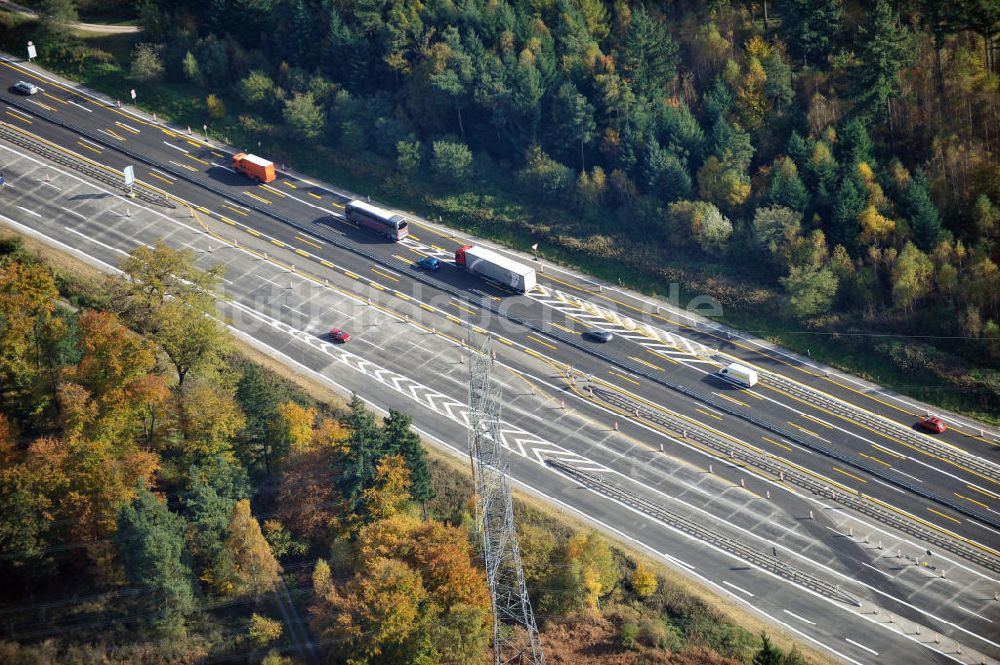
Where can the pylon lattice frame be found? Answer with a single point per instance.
(495, 519)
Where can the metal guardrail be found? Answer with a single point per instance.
(11, 134)
(883, 425)
(486, 304)
(703, 533)
(768, 463)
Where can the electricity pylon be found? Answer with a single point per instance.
(495, 520)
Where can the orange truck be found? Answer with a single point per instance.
(253, 167)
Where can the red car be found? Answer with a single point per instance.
(339, 336)
(933, 424)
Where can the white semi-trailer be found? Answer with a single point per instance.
(495, 267)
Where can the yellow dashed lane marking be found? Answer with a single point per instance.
(983, 492)
(780, 445)
(159, 177)
(464, 309)
(541, 341)
(851, 475)
(385, 274)
(640, 360)
(978, 503)
(126, 127)
(818, 422)
(734, 400)
(622, 376)
(947, 517)
(308, 242)
(274, 191)
(807, 431)
(663, 357)
(877, 460)
(259, 198)
(887, 451)
(709, 414)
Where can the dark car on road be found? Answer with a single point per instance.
(599, 336)
(429, 263)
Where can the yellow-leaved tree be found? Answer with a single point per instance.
(255, 571)
(390, 492)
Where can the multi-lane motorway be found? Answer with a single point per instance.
(644, 408)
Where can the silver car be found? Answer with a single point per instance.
(26, 88)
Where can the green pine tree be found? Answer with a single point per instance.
(209, 502)
(151, 547)
(786, 188)
(808, 27)
(649, 55)
(768, 654)
(365, 448)
(717, 102)
(666, 175)
(925, 221)
(850, 201)
(853, 144)
(400, 439)
(885, 47)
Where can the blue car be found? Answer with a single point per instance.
(429, 263)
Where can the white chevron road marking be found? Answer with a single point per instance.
(514, 439)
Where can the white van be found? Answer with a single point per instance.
(740, 375)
